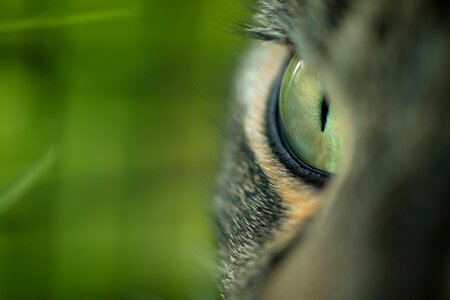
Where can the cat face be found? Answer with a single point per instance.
(376, 226)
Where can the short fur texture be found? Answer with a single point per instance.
(381, 228)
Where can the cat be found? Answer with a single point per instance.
(379, 226)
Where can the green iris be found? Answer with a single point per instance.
(310, 124)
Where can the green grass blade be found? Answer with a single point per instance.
(13, 191)
(54, 22)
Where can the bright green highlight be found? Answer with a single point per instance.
(60, 21)
(304, 117)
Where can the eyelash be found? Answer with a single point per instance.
(264, 27)
(278, 144)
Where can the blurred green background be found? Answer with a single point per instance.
(110, 116)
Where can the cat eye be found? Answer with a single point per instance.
(310, 125)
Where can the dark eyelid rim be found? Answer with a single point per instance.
(278, 143)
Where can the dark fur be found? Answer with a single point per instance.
(383, 232)
(248, 214)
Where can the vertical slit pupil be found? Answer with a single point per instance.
(324, 113)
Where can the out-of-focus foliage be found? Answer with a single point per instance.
(109, 119)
